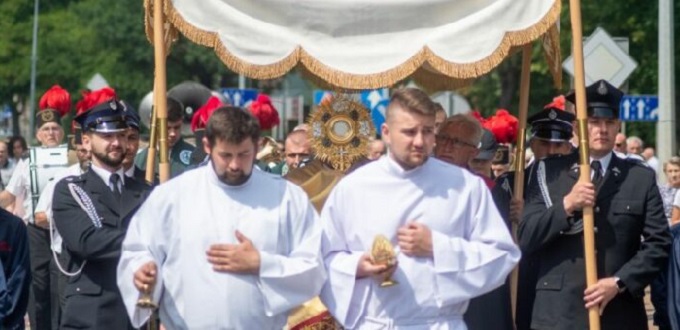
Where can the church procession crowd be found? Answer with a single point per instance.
(409, 228)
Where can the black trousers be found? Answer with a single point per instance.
(43, 307)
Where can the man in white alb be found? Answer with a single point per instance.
(226, 246)
(451, 242)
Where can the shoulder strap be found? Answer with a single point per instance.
(85, 202)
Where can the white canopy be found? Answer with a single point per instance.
(360, 44)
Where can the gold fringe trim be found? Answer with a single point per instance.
(450, 74)
(170, 34)
(553, 55)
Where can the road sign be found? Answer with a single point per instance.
(240, 97)
(320, 95)
(376, 101)
(603, 59)
(639, 108)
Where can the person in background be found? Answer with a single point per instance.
(551, 130)
(481, 164)
(376, 148)
(44, 310)
(298, 150)
(180, 151)
(440, 117)
(634, 145)
(131, 170)
(668, 190)
(457, 140)
(651, 159)
(17, 148)
(7, 164)
(620, 147)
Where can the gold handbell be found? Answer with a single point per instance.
(383, 253)
(146, 300)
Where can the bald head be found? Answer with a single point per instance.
(620, 143)
(298, 148)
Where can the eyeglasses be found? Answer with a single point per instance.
(445, 140)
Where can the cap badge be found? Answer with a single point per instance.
(552, 115)
(47, 115)
(602, 89)
(113, 105)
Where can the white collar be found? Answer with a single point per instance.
(105, 174)
(130, 173)
(604, 161)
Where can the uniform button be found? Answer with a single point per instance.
(78, 289)
(545, 283)
(597, 209)
(628, 207)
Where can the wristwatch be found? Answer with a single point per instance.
(620, 285)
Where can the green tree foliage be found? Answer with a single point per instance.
(79, 38)
(635, 19)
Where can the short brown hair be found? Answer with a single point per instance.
(412, 100)
(233, 125)
(175, 110)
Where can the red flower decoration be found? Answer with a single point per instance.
(201, 116)
(265, 112)
(503, 125)
(93, 98)
(557, 103)
(56, 98)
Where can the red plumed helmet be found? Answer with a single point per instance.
(56, 98)
(265, 112)
(557, 103)
(201, 116)
(503, 125)
(92, 98)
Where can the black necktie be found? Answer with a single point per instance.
(114, 179)
(597, 172)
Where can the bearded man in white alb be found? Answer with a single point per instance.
(226, 246)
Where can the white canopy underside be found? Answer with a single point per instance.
(360, 44)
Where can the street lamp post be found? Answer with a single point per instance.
(34, 62)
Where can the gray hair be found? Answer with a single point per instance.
(467, 121)
(635, 139)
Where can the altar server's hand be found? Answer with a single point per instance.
(415, 240)
(580, 196)
(516, 209)
(367, 268)
(601, 293)
(145, 277)
(235, 258)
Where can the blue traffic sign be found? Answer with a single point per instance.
(376, 101)
(240, 97)
(320, 95)
(639, 108)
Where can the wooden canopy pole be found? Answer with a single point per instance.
(518, 189)
(584, 154)
(160, 90)
(153, 142)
